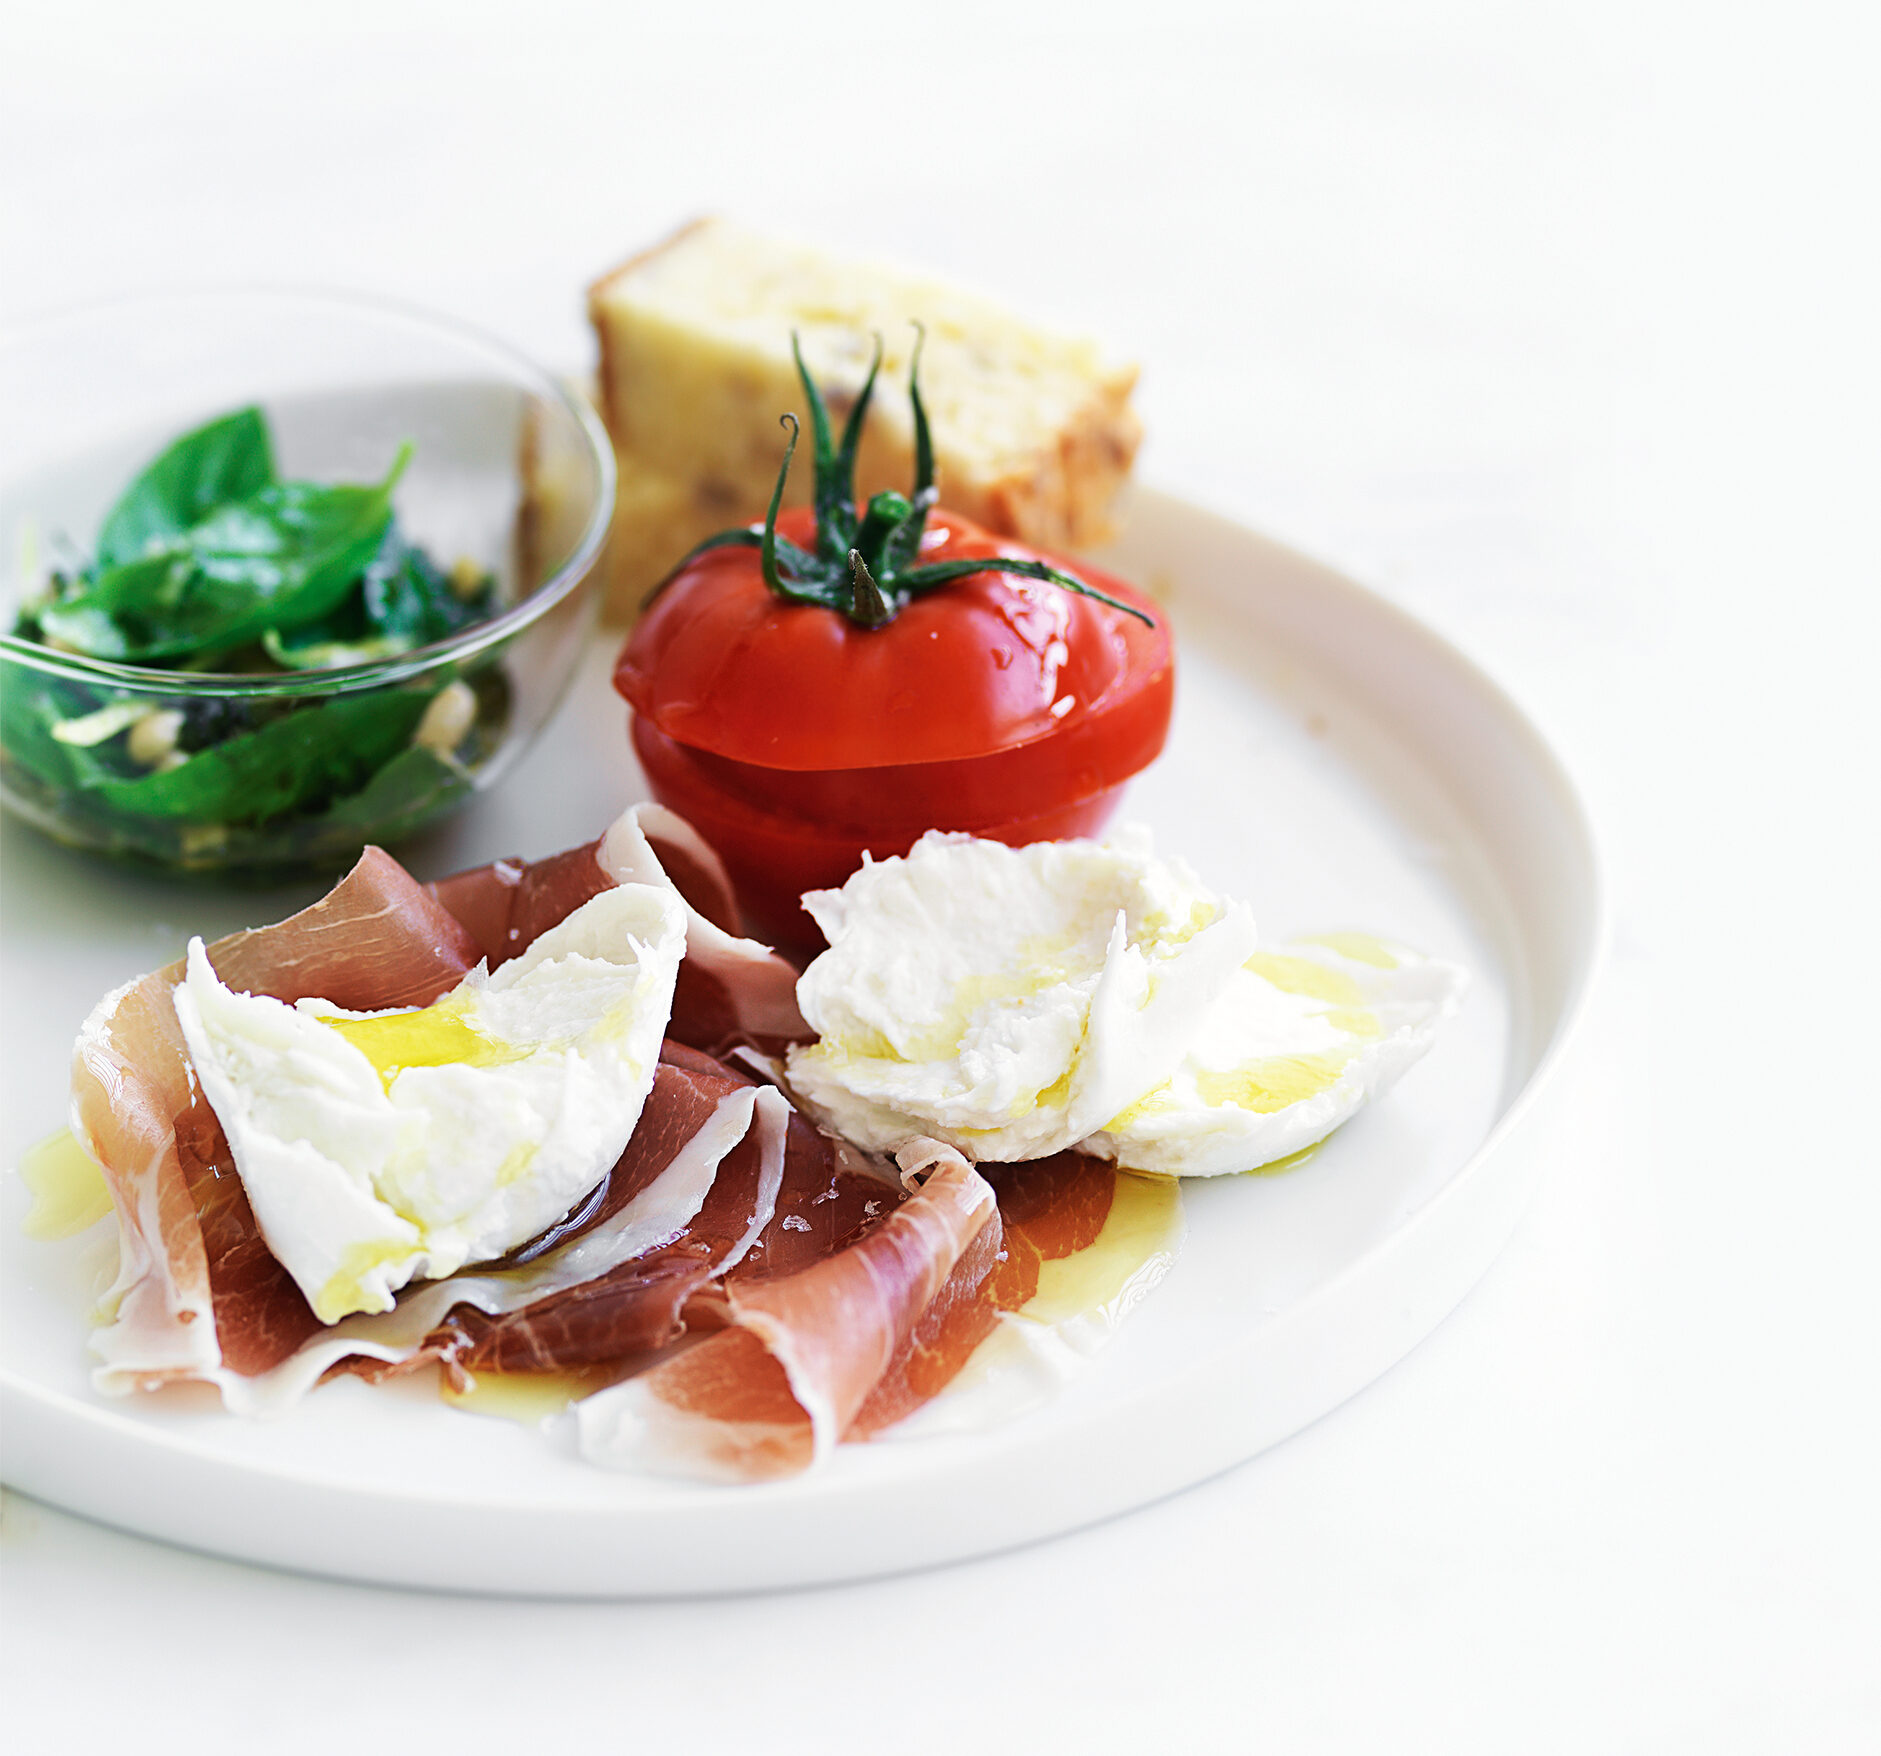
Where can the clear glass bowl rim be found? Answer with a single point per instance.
(347, 679)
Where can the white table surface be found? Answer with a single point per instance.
(1554, 323)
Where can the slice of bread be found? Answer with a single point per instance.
(1033, 432)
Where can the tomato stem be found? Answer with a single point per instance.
(768, 548)
(867, 605)
(865, 567)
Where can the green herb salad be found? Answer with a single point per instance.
(197, 723)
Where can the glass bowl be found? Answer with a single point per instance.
(510, 478)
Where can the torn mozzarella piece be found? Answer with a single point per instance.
(378, 1148)
(1296, 1042)
(1008, 1001)
(658, 1216)
(1018, 1001)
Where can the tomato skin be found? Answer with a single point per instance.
(774, 857)
(794, 739)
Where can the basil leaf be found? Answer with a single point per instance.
(411, 789)
(293, 551)
(405, 600)
(30, 706)
(61, 773)
(284, 556)
(227, 459)
(88, 626)
(408, 594)
(296, 763)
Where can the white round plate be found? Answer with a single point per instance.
(1333, 762)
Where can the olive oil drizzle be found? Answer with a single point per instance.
(67, 1188)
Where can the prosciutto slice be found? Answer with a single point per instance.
(376, 940)
(199, 1295)
(1048, 1209)
(436, 1320)
(635, 1306)
(803, 1353)
(759, 1289)
(786, 1196)
(732, 991)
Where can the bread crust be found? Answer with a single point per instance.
(597, 289)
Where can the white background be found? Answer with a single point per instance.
(1553, 322)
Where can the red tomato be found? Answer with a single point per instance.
(795, 739)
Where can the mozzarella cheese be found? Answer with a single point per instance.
(1018, 1001)
(1295, 1043)
(378, 1148)
(1008, 1001)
